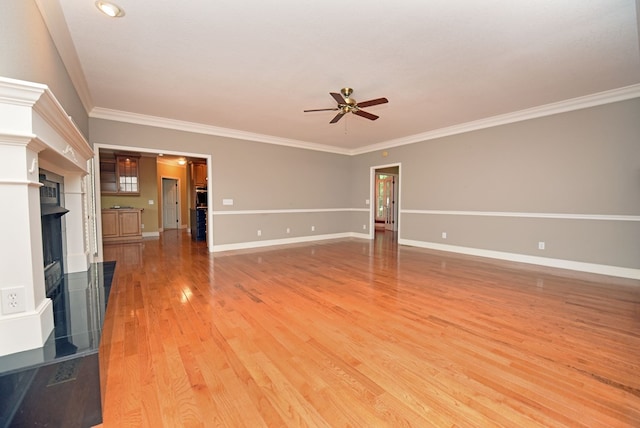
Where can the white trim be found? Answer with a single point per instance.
(51, 121)
(29, 109)
(54, 20)
(360, 236)
(607, 217)
(372, 196)
(522, 258)
(17, 139)
(98, 146)
(592, 100)
(21, 183)
(181, 125)
(271, 242)
(151, 234)
(289, 211)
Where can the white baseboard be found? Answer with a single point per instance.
(360, 236)
(150, 234)
(285, 241)
(523, 258)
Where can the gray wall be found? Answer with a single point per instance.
(256, 176)
(585, 162)
(28, 53)
(581, 166)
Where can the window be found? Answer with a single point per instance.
(127, 175)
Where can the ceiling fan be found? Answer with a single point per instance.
(349, 105)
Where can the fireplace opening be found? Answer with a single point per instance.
(51, 210)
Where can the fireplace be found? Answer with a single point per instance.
(46, 161)
(51, 209)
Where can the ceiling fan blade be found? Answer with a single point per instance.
(365, 114)
(337, 118)
(373, 102)
(323, 109)
(339, 98)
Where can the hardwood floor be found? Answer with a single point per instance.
(359, 333)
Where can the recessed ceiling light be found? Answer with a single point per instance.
(110, 9)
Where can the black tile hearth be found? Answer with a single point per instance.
(64, 394)
(58, 385)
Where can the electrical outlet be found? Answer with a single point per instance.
(313, 228)
(364, 227)
(541, 245)
(444, 235)
(13, 300)
(288, 230)
(259, 232)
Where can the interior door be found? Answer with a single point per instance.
(170, 218)
(386, 206)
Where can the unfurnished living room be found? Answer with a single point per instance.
(317, 214)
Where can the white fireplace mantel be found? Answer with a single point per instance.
(36, 132)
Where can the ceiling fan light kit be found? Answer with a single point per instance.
(346, 104)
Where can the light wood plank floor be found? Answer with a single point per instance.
(364, 334)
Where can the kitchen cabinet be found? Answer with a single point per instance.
(119, 174)
(121, 225)
(199, 174)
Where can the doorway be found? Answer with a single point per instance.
(385, 182)
(170, 204)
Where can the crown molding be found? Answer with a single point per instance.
(57, 25)
(199, 128)
(593, 100)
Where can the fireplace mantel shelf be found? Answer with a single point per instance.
(38, 118)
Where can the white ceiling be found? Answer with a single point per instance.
(253, 66)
